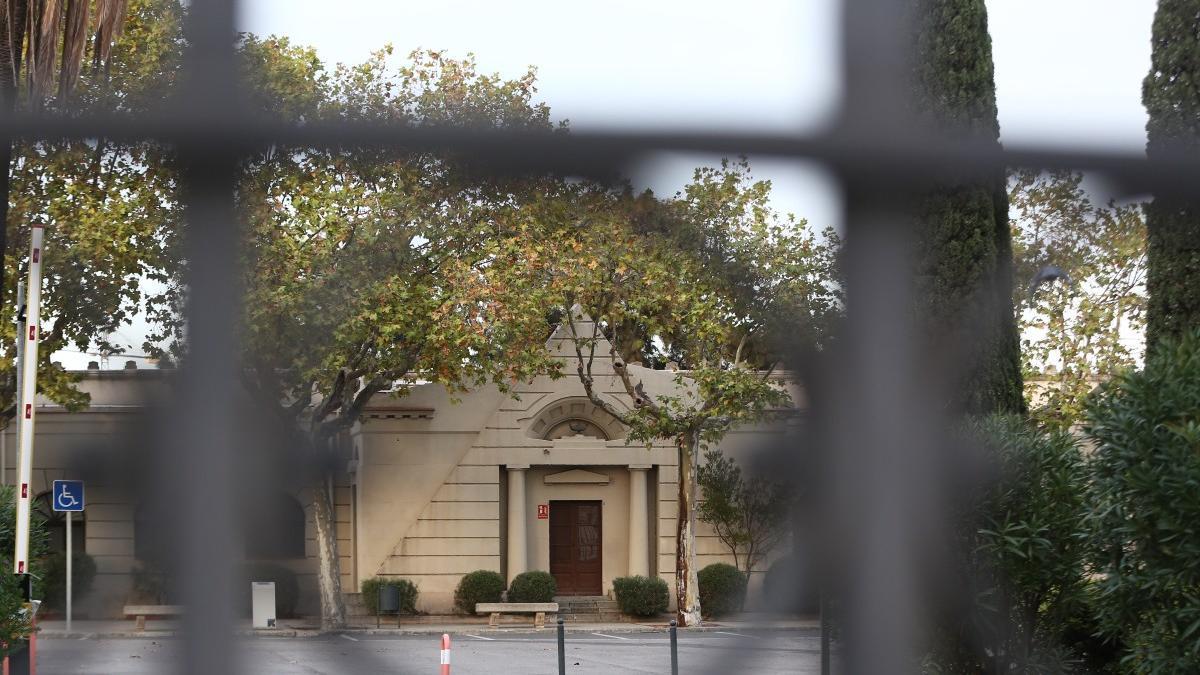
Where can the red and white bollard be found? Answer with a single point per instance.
(445, 654)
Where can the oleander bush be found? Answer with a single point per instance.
(1144, 504)
(408, 593)
(641, 596)
(476, 587)
(722, 589)
(536, 586)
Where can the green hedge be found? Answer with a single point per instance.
(408, 593)
(536, 586)
(722, 589)
(478, 586)
(54, 584)
(641, 596)
(287, 588)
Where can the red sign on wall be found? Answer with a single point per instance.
(543, 511)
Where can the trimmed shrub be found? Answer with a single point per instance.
(287, 588)
(722, 589)
(478, 586)
(408, 593)
(533, 586)
(150, 586)
(54, 584)
(787, 587)
(641, 596)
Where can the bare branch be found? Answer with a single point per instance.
(585, 376)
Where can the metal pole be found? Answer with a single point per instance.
(19, 321)
(25, 413)
(825, 661)
(70, 566)
(674, 648)
(562, 648)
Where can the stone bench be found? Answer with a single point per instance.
(539, 610)
(140, 612)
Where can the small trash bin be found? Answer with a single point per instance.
(387, 602)
(389, 599)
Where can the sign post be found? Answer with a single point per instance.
(68, 498)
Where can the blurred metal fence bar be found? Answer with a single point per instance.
(203, 438)
(864, 151)
(873, 424)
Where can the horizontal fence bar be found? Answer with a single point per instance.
(915, 156)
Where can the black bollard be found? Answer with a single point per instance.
(562, 649)
(674, 649)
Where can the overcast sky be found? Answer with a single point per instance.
(1068, 72)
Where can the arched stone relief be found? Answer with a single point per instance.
(575, 417)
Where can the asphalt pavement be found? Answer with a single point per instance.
(718, 652)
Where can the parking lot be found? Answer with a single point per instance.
(791, 651)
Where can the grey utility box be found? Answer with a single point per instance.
(262, 603)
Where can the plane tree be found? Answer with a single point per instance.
(703, 283)
(369, 270)
(109, 207)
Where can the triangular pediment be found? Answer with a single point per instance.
(576, 476)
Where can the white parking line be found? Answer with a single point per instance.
(615, 637)
(352, 639)
(480, 637)
(725, 632)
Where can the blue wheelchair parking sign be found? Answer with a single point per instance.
(68, 495)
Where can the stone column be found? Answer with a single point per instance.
(518, 542)
(639, 521)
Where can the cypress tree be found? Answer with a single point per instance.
(1171, 93)
(964, 245)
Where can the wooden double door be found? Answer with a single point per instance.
(576, 553)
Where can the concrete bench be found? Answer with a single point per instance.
(539, 610)
(140, 612)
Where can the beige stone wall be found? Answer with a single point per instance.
(64, 443)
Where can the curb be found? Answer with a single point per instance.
(169, 634)
(418, 629)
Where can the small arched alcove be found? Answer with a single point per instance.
(574, 417)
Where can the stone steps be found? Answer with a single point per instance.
(588, 609)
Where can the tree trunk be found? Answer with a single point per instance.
(687, 587)
(329, 578)
(5, 167)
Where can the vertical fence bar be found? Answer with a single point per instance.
(874, 427)
(203, 466)
(674, 648)
(562, 649)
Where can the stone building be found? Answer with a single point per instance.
(434, 486)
